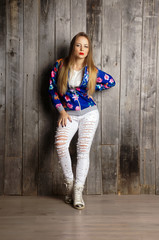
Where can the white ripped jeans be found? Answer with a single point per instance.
(86, 126)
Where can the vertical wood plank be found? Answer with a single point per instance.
(78, 16)
(148, 99)
(63, 38)
(30, 107)
(109, 168)
(130, 97)
(157, 116)
(13, 176)
(111, 42)
(14, 93)
(2, 90)
(94, 26)
(47, 118)
(63, 32)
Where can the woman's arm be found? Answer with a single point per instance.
(104, 81)
(53, 93)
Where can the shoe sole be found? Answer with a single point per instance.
(79, 208)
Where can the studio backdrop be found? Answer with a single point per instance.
(124, 156)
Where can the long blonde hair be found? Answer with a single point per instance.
(69, 61)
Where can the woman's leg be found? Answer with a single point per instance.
(87, 127)
(62, 141)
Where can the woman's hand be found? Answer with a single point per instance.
(63, 118)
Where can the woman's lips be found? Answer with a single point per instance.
(81, 53)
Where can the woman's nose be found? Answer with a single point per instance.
(81, 48)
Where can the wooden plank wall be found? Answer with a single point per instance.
(148, 97)
(14, 98)
(130, 96)
(94, 25)
(2, 91)
(111, 51)
(125, 38)
(30, 98)
(47, 116)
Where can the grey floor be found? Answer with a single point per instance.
(105, 217)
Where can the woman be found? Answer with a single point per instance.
(72, 84)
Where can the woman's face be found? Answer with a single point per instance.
(81, 48)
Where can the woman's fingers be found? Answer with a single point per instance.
(59, 122)
(63, 120)
(69, 118)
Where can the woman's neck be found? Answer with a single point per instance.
(78, 64)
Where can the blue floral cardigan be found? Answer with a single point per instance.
(76, 99)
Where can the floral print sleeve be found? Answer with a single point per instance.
(104, 81)
(53, 87)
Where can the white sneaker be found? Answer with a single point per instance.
(68, 192)
(78, 200)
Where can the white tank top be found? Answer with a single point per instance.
(75, 78)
